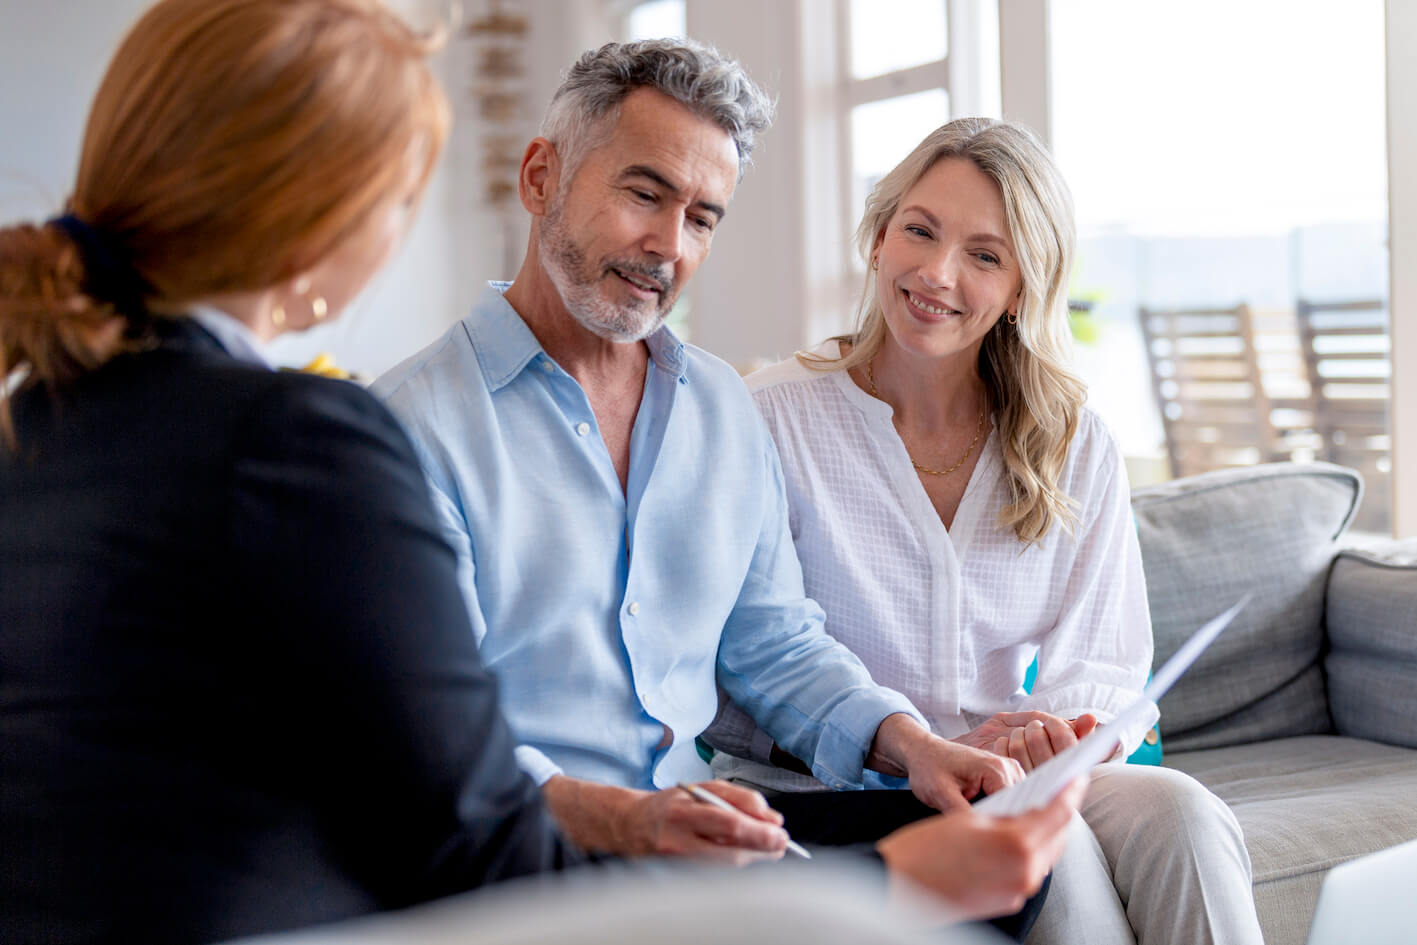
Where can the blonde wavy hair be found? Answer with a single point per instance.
(1036, 399)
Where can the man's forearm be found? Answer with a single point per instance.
(592, 815)
(943, 774)
(891, 748)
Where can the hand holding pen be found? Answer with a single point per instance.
(699, 793)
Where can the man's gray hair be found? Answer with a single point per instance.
(712, 86)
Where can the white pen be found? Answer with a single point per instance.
(708, 797)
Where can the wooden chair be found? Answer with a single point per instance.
(1346, 354)
(1230, 386)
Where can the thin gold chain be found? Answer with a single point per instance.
(978, 429)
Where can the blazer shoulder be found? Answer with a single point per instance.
(291, 407)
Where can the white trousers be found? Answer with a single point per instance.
(1155, 859)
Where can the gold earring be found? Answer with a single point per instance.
(278, 316)
(319, 308)
(1013, 318)
(875, 263)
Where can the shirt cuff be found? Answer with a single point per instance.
(537, 766)
(847, 734)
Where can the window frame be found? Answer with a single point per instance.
(963, 74)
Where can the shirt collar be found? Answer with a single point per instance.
(668, 353)
(505, 345)
(233, 335)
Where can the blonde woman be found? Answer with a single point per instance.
(957, 508)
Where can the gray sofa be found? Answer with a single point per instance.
(1303, 714)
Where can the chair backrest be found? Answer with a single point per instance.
(1346, 355)
(1214, 387)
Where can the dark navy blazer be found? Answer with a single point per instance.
(238, 688)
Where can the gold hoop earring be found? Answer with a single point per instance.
(318, 308)
(1013, 318)
(875, 263)
(278, 316)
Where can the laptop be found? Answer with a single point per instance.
(1369, 900)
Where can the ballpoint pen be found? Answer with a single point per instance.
(708, 797)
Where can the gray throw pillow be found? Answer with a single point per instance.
(1207, 540)
(1372, 633)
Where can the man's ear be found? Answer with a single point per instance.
(539, 177)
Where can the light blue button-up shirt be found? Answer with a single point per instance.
(609, 615)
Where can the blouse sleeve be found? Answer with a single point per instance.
(356, 602)
(1097, 655)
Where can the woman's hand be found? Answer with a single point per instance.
(944, 774)
(1030, 738)
(983, 866)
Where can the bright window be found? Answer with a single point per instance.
(656, 19)
(884, 132)
(1229, 171)
(895, 88)
(890, 35)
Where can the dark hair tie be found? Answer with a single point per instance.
(108, 275)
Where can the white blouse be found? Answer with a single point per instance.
(952, 617)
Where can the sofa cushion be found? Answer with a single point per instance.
(1307, 804)
(1371, 617)
(1206, 541)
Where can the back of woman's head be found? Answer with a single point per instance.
(231, 145)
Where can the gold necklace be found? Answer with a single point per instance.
(978, 429)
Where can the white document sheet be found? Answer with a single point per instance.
(1049, 778)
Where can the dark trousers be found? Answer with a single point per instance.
(857, 818)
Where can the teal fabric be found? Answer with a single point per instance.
(1147, 753)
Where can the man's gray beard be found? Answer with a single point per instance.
(564, 261)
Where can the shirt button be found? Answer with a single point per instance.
(548, 367)
(582, 428)
(634, 608)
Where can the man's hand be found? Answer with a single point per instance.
(1030, 738)
(619, 820)
(944, 774)
(983, 866)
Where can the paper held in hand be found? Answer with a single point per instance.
(1056, 773)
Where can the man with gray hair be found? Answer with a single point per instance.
(618, 510)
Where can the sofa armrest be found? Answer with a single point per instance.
(1371, 664)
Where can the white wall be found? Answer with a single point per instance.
(459, 242)
(775, 281)
(52, 56)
